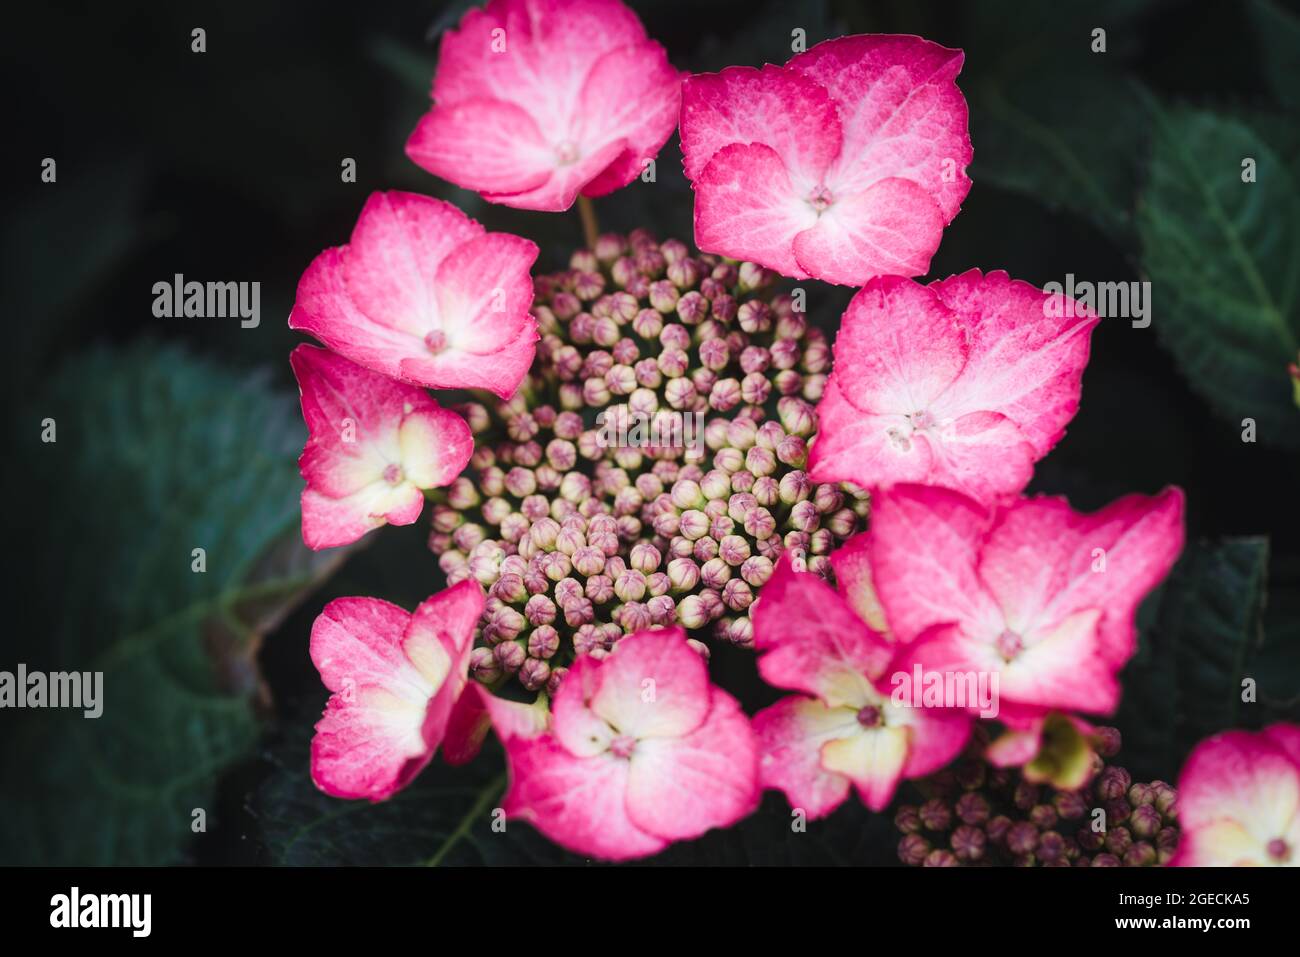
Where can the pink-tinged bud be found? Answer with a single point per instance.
(814, 387)
(1051, 848)
(968, 843)
(740, 632)
(973, 808)
(755, 389)
(494, 510)
(714, 354)
(634, 616)
(785, 353)
(715, 573)
(754, 315)
(535, 580)
(543, 642)
(804, 517)
(1043, 816)
(1108, 742)
(540, 610)
(797, 416)
(483, 569)
(693, 524)
(743, 481)
(575, 487)
(691, 612)
(997, 829)
(570, 396)
(614, 566)
(555, 565)
(692, 308)
(667, 524)
(725, 395)
(553, 683)
(1025, 795)
(630, 586)
(468, 537)
(453, 560)
(675, 337)
(760, 461)
(609, 247)
(1105, 860)
(941, 858)
(1145, 821)
(663, 611)
(1117, 811)
(483, 665)
(1113, 784)
(741, 433)
(759, 523)
(588, 560)
(446, 519)
(579, 612)
(907, 819)
(1117, 839)
(716, 484)
(508, 623)
(913, 849)
(462, 495)
(1140, 794)
(787, 382)
(1166, 798)
(657, 584)
(756, 570)
(935, 815)
(663, 296)
(1022, 838)
(1088, 839)
(1167, 838)
(600, 589)
(588, 638)
(827, 498)
(510, 656)
(795, 487)
(567, 590)
(733, 549)
(705, 549)
(621, 380)
(720, 524)
(737, 595)
(534, 674)
(1140, 854)
(820, 565)
(510, 588)
(679, 393)
(1070, 805)
(729, 460)
(684, 574)
(686, 494)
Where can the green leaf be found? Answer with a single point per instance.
(1223, 258)
(1279, 41)
(157, 453)
(1199, 638)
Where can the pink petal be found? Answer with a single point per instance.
(813, 642)
(790, 736)
(578, 728)
(1024, 363)
(1044, 561)
(898, 349)
(330, 522)
(873, 759)
(924, 548)
(678, 788)
(747, 208)
(479, 710)
(901, 111)
(775, 107)
(873, 451)
(567, 180)
(852, 565)
(369, 743)
(652, 685)
(485, 145)
(891, 227)
(1237, 793)
(580, 803)
(438, 641)
(982, 455)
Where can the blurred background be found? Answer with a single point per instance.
(181, 434)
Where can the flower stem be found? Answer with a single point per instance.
(590, 228)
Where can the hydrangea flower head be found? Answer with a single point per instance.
(964, 383)
(581, 536)
(845, 728)
(374, 445)
(396, 678)
(1239, 800)
(536, 101)
(642, 751)
(844, 164)
(426, 295)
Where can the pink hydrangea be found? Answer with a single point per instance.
(395, 677)
(536, 101)
(844, 164)
(1040, 594)
(641, 751)
(964, 383)
(1239, 800)
(852, 724)
(424, 294)
(374, 445)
